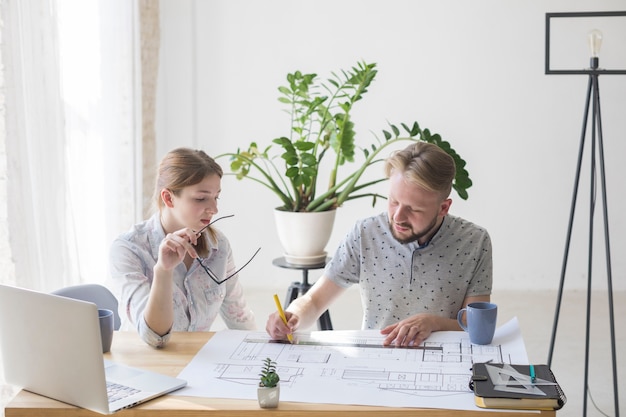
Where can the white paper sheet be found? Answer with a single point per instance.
(350, 367)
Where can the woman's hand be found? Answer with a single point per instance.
(175, 246)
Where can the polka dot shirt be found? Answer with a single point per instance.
(400, 280)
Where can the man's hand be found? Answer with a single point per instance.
(411, 331)
(277, 329)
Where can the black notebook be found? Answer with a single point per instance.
(527, 387)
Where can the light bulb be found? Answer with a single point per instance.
(595, 42)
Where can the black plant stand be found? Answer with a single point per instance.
(299, 288)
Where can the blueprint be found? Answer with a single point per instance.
(350, 367)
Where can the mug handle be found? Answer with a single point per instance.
(459, 318)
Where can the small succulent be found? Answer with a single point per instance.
(269, 377)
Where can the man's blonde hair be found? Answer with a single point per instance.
(425, 165)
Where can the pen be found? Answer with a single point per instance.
(282, 315)
(532, 374)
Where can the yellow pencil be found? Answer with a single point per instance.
(282, 315)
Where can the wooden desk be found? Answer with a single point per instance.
(129, 349)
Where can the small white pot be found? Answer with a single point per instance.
(268, 397)
(304, 235)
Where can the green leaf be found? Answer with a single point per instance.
(304, 146)
(290, 158)
(292, 172)
(308, 159)
(283, 141)
(309, 172)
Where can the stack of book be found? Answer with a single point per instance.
(526, 387)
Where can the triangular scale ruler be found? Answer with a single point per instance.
(508, 379)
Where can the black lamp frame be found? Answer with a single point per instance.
(551, 16)
(597, 154)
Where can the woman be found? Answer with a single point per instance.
(174, 272)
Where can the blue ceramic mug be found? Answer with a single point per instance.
(106, 328)
(481, 321)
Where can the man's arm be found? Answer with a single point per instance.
(414, 330)
(304, 310)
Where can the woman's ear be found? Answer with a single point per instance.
(167, 198)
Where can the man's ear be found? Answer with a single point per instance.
(445, 206)
(167, 198)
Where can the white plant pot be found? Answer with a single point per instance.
(268, 397)
(304, 235)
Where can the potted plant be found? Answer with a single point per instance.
(322, 143)
(268, 392)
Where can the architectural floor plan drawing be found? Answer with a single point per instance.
(348, 357)
(350, 367)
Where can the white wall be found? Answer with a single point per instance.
(472, 71)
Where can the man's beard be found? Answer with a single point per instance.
(414, 236)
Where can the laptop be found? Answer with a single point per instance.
(51, 345)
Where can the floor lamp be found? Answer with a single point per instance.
(597, 159)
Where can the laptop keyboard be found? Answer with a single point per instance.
(117, 392)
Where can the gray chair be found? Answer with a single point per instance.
(94, 293)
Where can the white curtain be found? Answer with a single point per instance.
(69, 75)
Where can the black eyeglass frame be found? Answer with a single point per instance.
(208, 270)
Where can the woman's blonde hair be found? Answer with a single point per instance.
(425, 165)
(180, 168)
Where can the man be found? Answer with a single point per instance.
(416, 265)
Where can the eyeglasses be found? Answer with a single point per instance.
(216, 220)
(210, 273)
